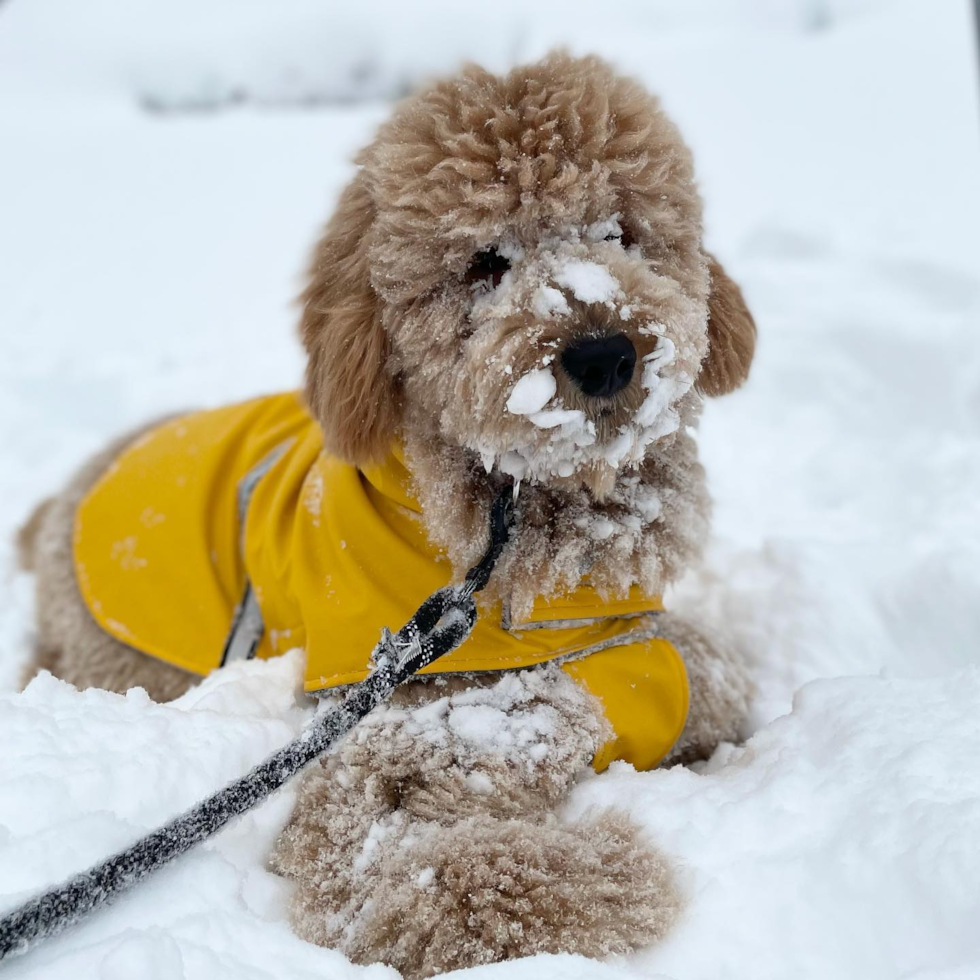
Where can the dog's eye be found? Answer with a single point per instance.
(487, 267)
(624, 238)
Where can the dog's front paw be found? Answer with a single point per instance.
(427, 898)
(428, 840)
(510, 748)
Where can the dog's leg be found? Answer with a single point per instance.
(70, 643)
(719, 685)
(429, 840)
(440, 898)
(343, 810)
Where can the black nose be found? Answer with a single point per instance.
(600, 366)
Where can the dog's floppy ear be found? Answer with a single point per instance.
(731, 335)
(348, 384)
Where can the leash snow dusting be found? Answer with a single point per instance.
(840, 839)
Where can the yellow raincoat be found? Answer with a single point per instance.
(208, 508)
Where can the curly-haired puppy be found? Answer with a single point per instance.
(512, 292)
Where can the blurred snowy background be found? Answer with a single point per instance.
(164, 168)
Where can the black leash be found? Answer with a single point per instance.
(439, 625)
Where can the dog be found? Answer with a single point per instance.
(512, 294)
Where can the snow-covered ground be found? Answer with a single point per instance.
(148, 257)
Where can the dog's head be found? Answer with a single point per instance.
(517, 269)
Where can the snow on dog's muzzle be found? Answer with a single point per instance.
(591, 348)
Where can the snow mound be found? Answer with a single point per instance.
(840, 841)
(532, 392)
(588, 281)
(85, 774)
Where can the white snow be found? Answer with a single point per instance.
(551, 417)
(148, 262)
(549, 302)
(664, 352)
(662, 393)
(601, 528)
(513, 464)
(609, 228)
(313, 496)
(841, 838)
(588, 281)
(532, 392)
(502, 720)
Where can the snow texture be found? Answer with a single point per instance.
(588, 281)
(549, 302)
(532, 392)
(149, 263)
